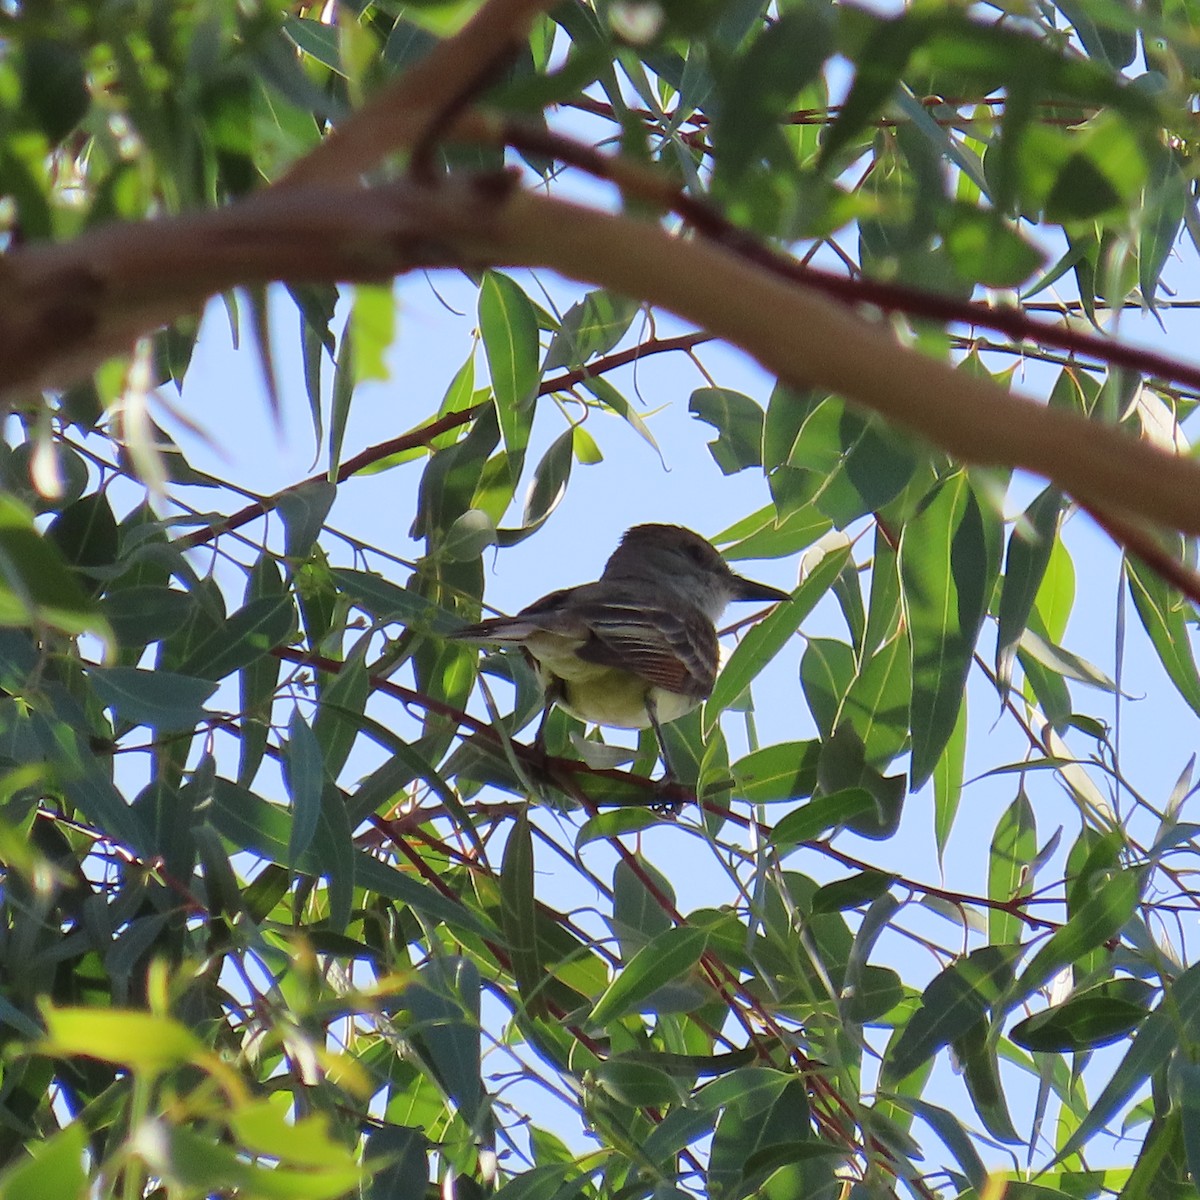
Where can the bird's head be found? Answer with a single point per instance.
(677, 558)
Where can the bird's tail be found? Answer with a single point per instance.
(498, 631)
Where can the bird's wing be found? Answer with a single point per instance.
(672, 648)
(617, 626)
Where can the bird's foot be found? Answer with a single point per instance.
(670, 796)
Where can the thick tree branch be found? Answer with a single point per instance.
(119, 282)
(807, 341)
(635, 180)
(66, 307)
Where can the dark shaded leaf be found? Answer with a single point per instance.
(160, 699)
(37, 584)
(248, 634)
(954, 1001)
(738, 421)
(1089, 1019)
(518, 912)
(943, 572)
(852, 891)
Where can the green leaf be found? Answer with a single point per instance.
(316, 305)
(91, 790)
(770, 635)
(1175, 1022)
(976, 1052)
(387, 602)
(667, 957)
(763, 83)
(616, 822)
(344, 380)
(1096, 1017)
(809, 821)
(637, 1084)
(1114, 43)
(762, 536)
(948, 781)
(826, 670)
(851, 892)
(1010, 867)
(844, 463)
(1166, 198)
(316, 39)
(943, 573)
(954, 1001)
(36, 585)
(1101, 917)
(54, 1168)
(86, 533)
(877, 702)
(1165, 614)
(593, 325)
(842, 768)
(509, 326)
(444, 1003)
(250, 823)
(1029, 548)
(374, 324)
(987, 250)
(397, 1158)
(145, 613)
(1185, 1088)
(141, 1041)
(518, 911)
(160, 699)
(547, 489)
(787, 771)
(340, 712)
(879, 65)
(947, 1126)
(637, 911)
(305, 776)
(339, 862)
(303, 510)
(469, 536)
(738, 421)
(1103, 169)
(753, 1125)
(258, 679)
(249, 633)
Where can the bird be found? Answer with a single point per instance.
(638, 648)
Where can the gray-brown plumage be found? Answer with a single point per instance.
(638, 646)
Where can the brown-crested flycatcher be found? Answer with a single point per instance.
(638, 647)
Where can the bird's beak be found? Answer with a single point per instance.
(747, 589)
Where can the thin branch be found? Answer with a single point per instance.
(421, 436)
(425, 434)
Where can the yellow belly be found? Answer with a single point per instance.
(618, 698)
(598, 694)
